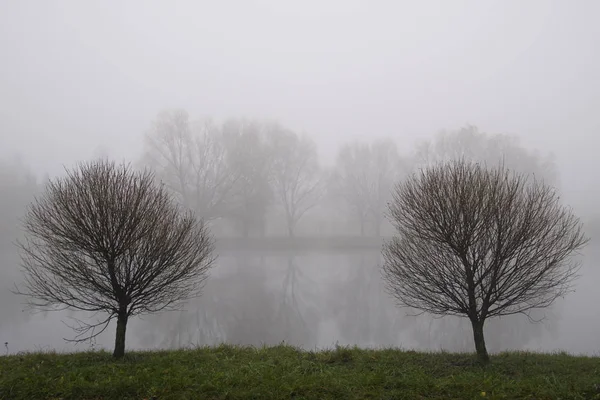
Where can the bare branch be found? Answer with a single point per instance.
(83, 328)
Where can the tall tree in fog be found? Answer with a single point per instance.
(469, 143)
(349, 180)
(364, 175)
(191, 159)
(248, 158)
(479, 243)
(105, 239)
(295, 174)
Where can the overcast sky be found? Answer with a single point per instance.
(76, 75)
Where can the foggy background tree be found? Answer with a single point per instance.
(479, 242)
(470, 143)
(108, 240)
(364, 174)
(350, 180)
(190, 157)
(385, 168)
(296, 177)
(169, 148)
(247, 155)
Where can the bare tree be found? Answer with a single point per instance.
(247, 156)
(364, 176)
(168, 149)
(105, 239)
(295, 173)
(190, 157)
(479, 243)
(350, 180)
(471, 144)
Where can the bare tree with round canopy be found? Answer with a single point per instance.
(107, 239)
(479, 242)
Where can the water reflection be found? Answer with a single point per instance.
(310, 300)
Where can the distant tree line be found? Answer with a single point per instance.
(243, 175)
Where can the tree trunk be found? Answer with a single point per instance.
(120, 338)
(482, 353)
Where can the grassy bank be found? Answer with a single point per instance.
(283, 372)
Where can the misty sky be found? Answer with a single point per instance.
(76, 75)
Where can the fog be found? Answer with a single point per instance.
(83, 79)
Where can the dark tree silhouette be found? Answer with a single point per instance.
(106, 239)
(479, 242)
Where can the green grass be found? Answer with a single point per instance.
(282, 372)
